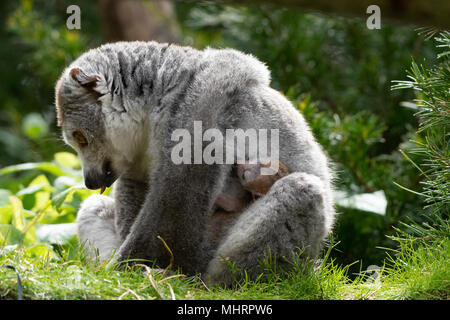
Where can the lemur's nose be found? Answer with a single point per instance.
(92, 181)
(96, 179)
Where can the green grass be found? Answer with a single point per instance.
(417, 272)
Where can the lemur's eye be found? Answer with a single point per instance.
(80, 138)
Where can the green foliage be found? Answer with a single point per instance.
(37, 47)
(34, 126)
(348, 141)
(418, 268)
(363, 180)
(424, 246)
(55, 46)
(433, 110)
(40, 214)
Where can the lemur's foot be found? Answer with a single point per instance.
(258, 184)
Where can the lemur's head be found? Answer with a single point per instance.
(83, 117)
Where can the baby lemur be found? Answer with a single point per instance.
(244, 185)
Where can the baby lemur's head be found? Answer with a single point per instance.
(84, 108)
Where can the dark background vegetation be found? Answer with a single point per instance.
(334, 69)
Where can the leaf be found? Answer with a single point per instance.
(370, 202)
(5, 214)
(18, 218)
(43, 166)
(39, 180)
(59, 198)
(34, 126)
(64, 182)
(67, 159)
(11, 234)
(30, 235)
(56, 233)
(4, 197)
(40, 200)
(30, 190)
(36, 195)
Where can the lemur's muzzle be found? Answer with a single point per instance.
(95, 179)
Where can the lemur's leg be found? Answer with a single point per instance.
(96, 229)
(297, 212)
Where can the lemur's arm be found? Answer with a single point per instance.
(176, 209)
(104, 222)
(129, 197)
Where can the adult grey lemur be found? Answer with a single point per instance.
(118, 106)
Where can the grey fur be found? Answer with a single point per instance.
(145, 90)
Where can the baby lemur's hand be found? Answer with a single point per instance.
(252, 180)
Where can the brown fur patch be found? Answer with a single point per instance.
(73, 73)
(58, 104)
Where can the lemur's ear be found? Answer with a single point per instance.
(83, 79)
(89, 82)
(77, 88)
